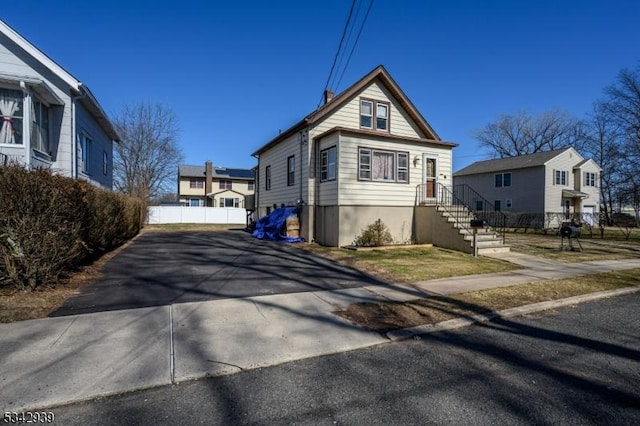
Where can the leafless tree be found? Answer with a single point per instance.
(604, 144)
(147, 157)
(523, 133)
(622, 106)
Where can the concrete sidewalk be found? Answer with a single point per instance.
(54, 361)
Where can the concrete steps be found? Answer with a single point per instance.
(487, 240)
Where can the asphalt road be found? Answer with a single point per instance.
(162, 268)
(575, 366)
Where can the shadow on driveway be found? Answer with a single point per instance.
(162, 268)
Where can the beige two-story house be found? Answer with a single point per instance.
(209, 186)
(558, 182)
(366, 154)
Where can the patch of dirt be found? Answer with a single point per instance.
(20, 305)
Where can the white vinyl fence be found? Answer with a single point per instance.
(181, 214)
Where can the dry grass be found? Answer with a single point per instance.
(18, 305)
(407, 265)
(548, 246)
(395, 315)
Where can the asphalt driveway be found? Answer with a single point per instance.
(162, 268)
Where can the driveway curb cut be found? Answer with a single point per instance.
(407, 333)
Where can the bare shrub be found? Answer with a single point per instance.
(49, 224)
(375, 235)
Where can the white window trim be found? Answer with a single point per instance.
(362, 114)
(374, 114)
(291, 170)
(326, 167)
(502, 182)
(85, 156)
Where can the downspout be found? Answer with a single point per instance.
(26, 125)
(74, 142)
(256, 189)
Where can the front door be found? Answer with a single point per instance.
(429, 178)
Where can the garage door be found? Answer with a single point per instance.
(589, 215)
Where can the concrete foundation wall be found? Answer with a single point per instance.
(353, 219)
(431, 228)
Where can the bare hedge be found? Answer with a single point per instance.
(51, 224)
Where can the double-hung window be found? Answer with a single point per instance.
(105, 163)
(11, 106)
(503, 180)
(229, 202)
(267, 178)
(383, 166)
(589, 179)
(370, 109)
(40, 126)
(291, 170)
(328, 164)
(226, 184)
(195, 183)
(251, 185)
(85, 152)
(560, 177)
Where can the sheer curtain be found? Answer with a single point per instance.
(9, 106)
(383, 166)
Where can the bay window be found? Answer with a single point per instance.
(39, 126)
(11, 109)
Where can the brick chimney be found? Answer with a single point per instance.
(328, 95)
(208, 181)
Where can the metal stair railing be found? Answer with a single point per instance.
(481, 208)
(447, 201)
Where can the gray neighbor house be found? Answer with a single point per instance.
(551, 186)
(49, 118)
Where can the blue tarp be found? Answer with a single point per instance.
(272, 226)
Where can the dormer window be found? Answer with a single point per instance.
(370, 109)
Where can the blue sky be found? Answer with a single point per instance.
(236, 72)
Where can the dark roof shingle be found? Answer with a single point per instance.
(509, 163)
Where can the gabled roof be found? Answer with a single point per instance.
(510, 163)
(88, 100)
(187, 170)
(338, 101)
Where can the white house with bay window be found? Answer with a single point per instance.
(360, 157)
(49, 118)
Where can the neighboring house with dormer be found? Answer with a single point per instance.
(50, 119)
(364, 155)
(209, 186)
(558, 181)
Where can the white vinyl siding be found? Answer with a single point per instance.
(357, 192)
(328, 190)
(276, 157)
(349, 115)
(564, 161)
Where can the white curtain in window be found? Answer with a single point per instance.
(8, 107)
(383, 166)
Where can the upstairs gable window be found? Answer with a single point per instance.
(370, 109)
(589, 179)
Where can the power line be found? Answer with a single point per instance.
(335, 59)
(364, 21)
(344, 51)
